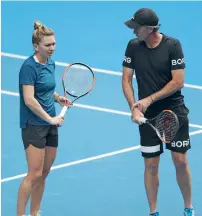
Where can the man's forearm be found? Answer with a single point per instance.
(168, 90)
(129, 93)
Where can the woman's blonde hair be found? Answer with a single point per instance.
(40, 31)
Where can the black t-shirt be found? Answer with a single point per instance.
(153, 68)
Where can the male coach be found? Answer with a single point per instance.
(158, 62)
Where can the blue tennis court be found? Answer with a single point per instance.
(99, 169)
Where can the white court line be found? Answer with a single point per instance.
(195, 126)
(79, 161)
(109, 154)
(96, 108)
(195, 132)
(11, 55)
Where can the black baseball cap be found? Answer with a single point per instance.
(143, 16)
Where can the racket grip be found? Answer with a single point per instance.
(63, 111)
(143, 120)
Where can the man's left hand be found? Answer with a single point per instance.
(144, 104)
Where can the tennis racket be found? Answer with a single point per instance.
(165, 124)
(78, 80)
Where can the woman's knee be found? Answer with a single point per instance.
(34, 177)
(45, 173)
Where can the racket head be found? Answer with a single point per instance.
(167, 126)
(78, 80)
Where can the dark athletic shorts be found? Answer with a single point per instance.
(40, 136)
(152, 146)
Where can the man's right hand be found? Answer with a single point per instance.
(136, 115)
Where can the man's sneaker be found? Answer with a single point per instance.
(189, 212)
(154, 214)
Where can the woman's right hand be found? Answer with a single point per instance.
(57, 120)
(136, 115)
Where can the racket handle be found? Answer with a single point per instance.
(63, 111)
(143, 120)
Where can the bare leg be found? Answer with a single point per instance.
(35, 160)
(37, 192)
(152, 181)
(183, 177)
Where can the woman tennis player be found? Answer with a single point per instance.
(38, 119)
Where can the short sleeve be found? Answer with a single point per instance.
(27, 75)
(128, 59)
(177, 56)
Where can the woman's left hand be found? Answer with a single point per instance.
(63, 101)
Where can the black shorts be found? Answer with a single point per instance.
(40, 136)
(152, 146)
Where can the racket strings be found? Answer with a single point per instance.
(78, 80)
(167, 126)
